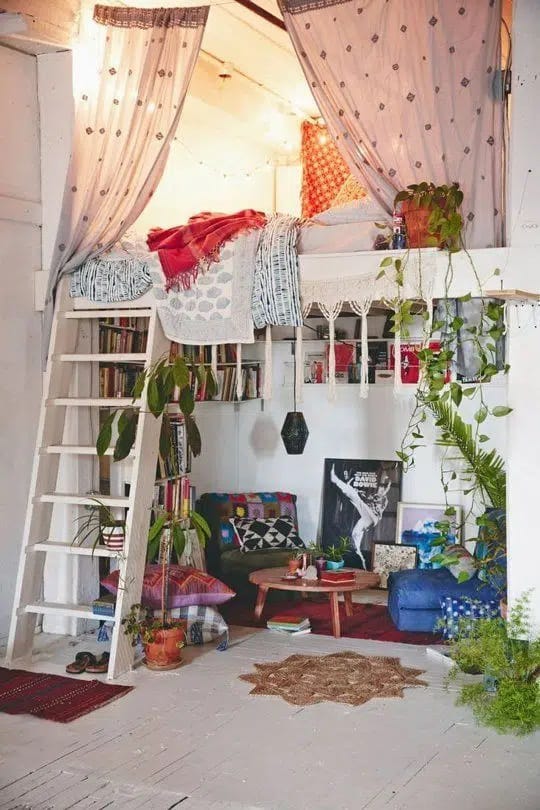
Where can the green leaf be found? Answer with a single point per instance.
(501, 410)
(465, 298)
(154, 399)
(126, 438)
(178, 540)
(386, 262)
(201, 375)
(380, 274)
(456, 394)
(483, 438)
(165, 437)
(463, 576)
(105, 434)
(193, 435)
(138, 388)
(157, 527)
(497, 271)
(481, 414)
(469, 392)
(180, 373)
(186, 401)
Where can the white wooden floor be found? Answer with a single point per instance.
(195, 738)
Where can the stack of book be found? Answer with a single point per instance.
(122, 335)
(104, 606)
(338, 577)
(291, 625)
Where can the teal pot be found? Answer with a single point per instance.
(334, 566)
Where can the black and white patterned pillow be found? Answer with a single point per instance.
(268, 533)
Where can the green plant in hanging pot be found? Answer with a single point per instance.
(431, 214)
(99, 525)
(168, 381)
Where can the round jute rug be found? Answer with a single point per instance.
(344, 677)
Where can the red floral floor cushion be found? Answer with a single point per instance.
(187, 586)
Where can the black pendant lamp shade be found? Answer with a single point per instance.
(294, 433)
(295, 430)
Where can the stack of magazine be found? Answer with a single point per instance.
(290, 625)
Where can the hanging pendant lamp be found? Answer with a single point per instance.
(295, 430)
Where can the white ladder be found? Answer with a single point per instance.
(37, 542)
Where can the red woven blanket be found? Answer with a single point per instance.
(183, 249)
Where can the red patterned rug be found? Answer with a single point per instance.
(368, 621)
(53, 697)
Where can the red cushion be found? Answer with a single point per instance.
(187, 586)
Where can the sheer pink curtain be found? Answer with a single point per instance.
(407, 91)
(126, 114)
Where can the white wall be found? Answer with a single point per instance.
(20, 328)
(214, 165)
(524, 382)
(243, 451)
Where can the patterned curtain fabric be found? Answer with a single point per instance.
(323, 169)
(407, 91)
(125, 118)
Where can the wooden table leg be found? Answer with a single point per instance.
(334, 610)
(347, 598)
(261, 599)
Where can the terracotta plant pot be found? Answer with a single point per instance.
(294, 565)
(416, 222)
(165, 651)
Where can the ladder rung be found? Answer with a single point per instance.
(82, 500)
(108, 313)
(95, 402)
(107, 357)
(69, 548)
(76, 450)
(62, 609)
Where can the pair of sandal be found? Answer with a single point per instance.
(87, 662)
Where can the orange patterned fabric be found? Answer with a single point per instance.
(323, 169)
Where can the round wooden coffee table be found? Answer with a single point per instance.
(268, 578)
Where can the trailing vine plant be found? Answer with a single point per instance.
(465, 464)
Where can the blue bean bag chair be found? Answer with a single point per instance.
(414, 596)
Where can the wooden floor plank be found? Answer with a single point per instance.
(196, 739)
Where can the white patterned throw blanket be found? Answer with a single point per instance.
(276, 297)
(217, 308)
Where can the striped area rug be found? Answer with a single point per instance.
(53, 697)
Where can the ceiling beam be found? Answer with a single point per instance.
(262, 13)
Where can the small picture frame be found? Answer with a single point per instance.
(417, 526)
(388, 557)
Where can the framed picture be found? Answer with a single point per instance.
(360, 498)
(388, 557)
(417, 525)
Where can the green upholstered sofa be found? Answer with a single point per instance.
(223, 557)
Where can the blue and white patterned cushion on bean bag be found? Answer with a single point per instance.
(454, 609)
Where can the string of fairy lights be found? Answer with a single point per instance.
(265, 166)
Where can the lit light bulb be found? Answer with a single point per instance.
(323, 139)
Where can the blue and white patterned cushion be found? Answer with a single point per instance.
(454, 609)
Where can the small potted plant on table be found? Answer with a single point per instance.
(101, 526)
(334, 554)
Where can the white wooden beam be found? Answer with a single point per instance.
(14, 209)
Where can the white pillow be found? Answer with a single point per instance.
(365, 210)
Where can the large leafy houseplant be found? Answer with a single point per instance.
(163, 637)
(168, 381)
